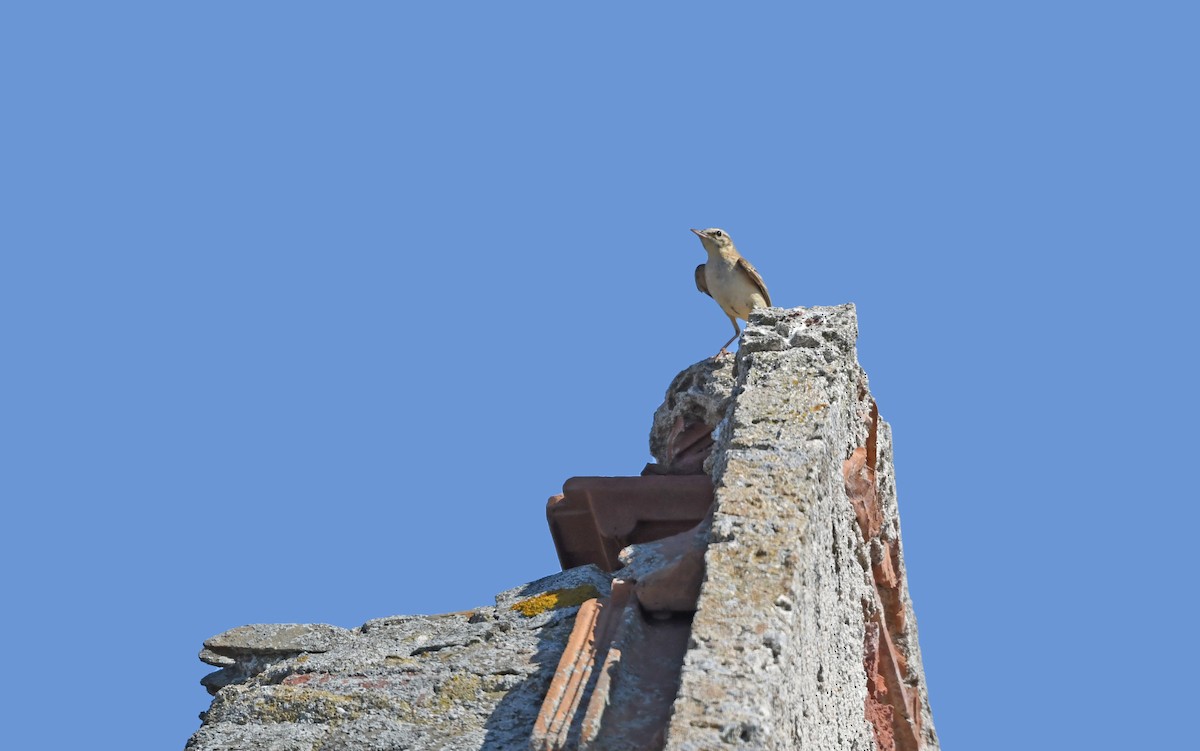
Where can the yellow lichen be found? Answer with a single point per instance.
(458, 689)
(559, 598)
(304, 704)
(296, 704)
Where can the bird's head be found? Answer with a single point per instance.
(714, 239)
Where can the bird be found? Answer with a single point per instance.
(729, 279)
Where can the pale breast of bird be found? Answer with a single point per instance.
(734, 290)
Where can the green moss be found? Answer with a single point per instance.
(559, 598)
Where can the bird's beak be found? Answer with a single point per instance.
(698, 233)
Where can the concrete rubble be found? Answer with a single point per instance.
(766, 608)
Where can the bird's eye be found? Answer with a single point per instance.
(718, 233)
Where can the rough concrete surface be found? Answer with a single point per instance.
(681, 432)
(472, 680)
(776, 657)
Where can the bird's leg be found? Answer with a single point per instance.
(736, 333)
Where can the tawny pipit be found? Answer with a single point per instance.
(730, 280)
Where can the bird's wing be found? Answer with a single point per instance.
(701, 282)
(756, 278)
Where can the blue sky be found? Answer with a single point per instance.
(306, 309)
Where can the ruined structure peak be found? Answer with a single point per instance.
(747, 589)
